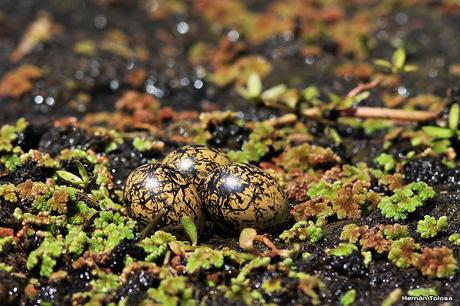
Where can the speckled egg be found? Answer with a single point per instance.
(151, 187)
(238, 195)
(196, 161)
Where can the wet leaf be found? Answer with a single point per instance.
(70, 177)
(439, 132)
(82, 171)
(399, 58)
(190, 229)
(382, 63)
(454, 116)
(274, 93)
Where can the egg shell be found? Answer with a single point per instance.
(196, 161)
(240, 195)
(151, 187)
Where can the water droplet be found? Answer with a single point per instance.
(100, 22)
(38, 100)
(198, 84)
(182, 27)
(309, 60)
(402, 91)
(50, 101)
(233, 35)
(114, 84)
(155, 91)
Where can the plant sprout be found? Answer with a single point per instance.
(397, 63)
(446, 132)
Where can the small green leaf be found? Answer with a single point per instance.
(82, 171)
(348, 298)
(343, 249)
(361, 96)
(274, 93)
(190, 229)
(70, 177)
(382, 63)
(311, 93)
(410, 68)
(254, 85)
(422, 292)
(454, 116)
(331, 132)
(399, 58)
(386, 161)
(439, 132)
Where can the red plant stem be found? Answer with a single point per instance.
(389, 113)
(378, 113)
(363, 86)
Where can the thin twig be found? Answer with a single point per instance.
(363, 86)
(283, 120)
(378, 113)
(389, 113)
(152, 224)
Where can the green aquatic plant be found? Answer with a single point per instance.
(403, 252)
(8, 192)
(422, 292)
(143, 144)
(272, 285)
(455, 238)
(256, 263)
(324, 189)
(46, 254)
(343, 249)
(302, 231)
(104, 282)
(310, 285)
(437, 262)
(81, 213)
(395, 231)
(429, 227)
(348, 298)
(110, 229)
(386, 161)
(397, 63)
(5, 242)
(204, 258)
(156, 245)
(257, 146)
(351, 232)
(9, 133)
(11, 161)
(172, 291)
(76, 240)
(405, 200)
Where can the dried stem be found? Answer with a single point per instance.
(389, 113)
(363, 86)
(152, 224)
(378, 113)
